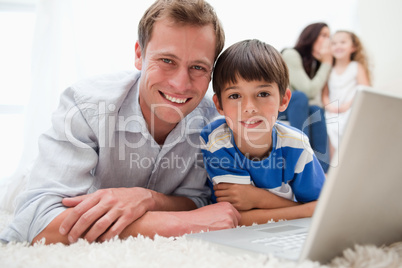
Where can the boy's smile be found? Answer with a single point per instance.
(251, 123)
(251, 110)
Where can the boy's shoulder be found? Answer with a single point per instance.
(288, 136)
(216, 133)
(217, 125)
(287, 129)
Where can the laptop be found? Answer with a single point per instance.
(360, 203)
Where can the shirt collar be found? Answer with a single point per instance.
(130, 117)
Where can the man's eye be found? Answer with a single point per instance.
(196, 67)
(167, 61)
(263, 94)
(234, 96)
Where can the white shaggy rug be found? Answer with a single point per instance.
(171, 252)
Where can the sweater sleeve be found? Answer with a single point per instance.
(299, 80)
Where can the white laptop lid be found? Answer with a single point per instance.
(361, 202)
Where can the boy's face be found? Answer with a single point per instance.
(251, 110)
(175, 71)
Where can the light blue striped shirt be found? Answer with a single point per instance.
(99, 139)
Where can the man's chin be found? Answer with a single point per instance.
(164, 117)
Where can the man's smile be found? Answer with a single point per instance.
(174, 99)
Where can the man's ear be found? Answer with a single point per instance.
(217, 104)
(138, 56)
(285, 100)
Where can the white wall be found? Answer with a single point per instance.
(279, 23)
(380, 23)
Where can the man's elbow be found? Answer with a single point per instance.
(51, 234)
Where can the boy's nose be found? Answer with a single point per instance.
(249, 106)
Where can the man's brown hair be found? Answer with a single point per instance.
(186, 12)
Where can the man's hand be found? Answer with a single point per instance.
(105, 213)
(215, 217)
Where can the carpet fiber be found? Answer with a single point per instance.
(171, 252)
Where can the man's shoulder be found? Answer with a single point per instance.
(109, 88)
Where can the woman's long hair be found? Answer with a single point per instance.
(304, 46)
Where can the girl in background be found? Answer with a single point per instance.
(350, 71)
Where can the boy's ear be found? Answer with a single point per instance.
(285, 100)
(217, 104)
(138, 56)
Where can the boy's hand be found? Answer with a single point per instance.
(246, 197)
(241, 196)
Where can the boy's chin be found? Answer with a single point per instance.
(258, 141)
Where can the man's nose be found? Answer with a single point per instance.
(181, 79)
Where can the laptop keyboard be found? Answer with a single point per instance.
(285, 242)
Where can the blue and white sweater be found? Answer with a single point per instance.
(291, 170)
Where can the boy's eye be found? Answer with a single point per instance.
(234, 96)
(263, 94)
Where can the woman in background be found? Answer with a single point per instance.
(309, 64)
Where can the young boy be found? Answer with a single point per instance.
(265, 169)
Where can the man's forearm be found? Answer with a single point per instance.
(107, 212)
(171, 203)
(164, 223)
(176, 223)
(151, 223)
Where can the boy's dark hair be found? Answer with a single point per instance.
(251, 60)
(187, 12)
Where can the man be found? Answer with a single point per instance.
(123, 151)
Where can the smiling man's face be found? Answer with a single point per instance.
(175, 72)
